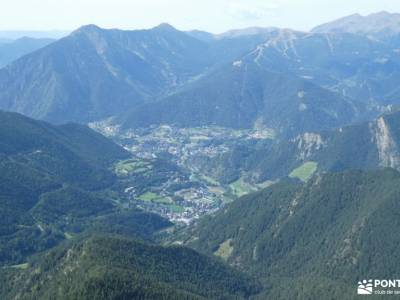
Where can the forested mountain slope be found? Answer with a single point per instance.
(118, 268)
(54, 183)
(316, 239)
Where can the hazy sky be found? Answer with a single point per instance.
(211, 15)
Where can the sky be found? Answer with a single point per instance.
(210, 15)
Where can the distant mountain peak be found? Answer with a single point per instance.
(383, 13)
(90, 28)
(356, 15)
(382, 23)
(165, 26)
(247, 32)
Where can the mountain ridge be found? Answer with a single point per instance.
(94, 74)
(380, 24)
(14, 49)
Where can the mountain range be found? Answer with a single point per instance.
(237, 79)
(35, 34)
(304, 125)
(378, 25)
(14, 49)
(95, 73)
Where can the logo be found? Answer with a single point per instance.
(365, 287)
(379, 287)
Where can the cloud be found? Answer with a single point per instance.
(252, 12)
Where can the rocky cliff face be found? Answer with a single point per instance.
(389, 155)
